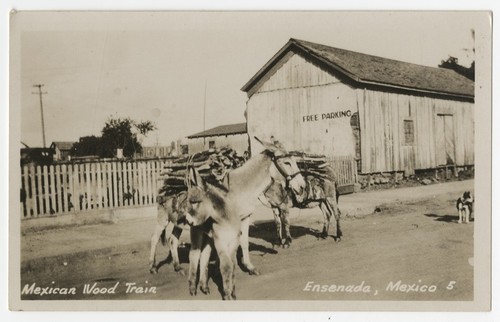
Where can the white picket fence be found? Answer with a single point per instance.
(70, 188)
(73, 188)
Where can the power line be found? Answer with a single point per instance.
(40, 93)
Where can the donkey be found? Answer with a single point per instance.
(170, 210)
(221, 217)
(318, 193)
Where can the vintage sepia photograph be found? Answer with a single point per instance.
(304, 160)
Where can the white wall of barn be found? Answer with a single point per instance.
(238, 142)
(303, 107)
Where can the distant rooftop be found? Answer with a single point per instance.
(62, 145)
(228, 129)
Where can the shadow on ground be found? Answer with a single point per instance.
(183, 256)
(445, 218)
(267, 232)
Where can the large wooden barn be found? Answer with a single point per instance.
(388, 115)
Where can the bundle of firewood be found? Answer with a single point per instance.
(213, 165)
(314, 165)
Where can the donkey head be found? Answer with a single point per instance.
(284, 169)
(202, 204)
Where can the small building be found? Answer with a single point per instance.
(155, 151)
(62, 150)
(232, 135)
(37, 156)
(387, 115)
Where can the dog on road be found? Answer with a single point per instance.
(465, 206)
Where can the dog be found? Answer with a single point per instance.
(465, 206)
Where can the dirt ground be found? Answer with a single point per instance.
(411, 250)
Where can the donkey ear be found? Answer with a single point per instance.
(266, 145)
(195, 178)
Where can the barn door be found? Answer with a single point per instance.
(445, 139)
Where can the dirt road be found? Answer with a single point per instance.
(411, 250)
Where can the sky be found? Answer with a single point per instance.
(167, 66)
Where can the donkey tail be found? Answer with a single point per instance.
(163, 236)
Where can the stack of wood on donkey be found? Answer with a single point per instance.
(321, 191)
(213, 166)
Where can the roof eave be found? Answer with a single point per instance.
(196, 136)
(413, 89)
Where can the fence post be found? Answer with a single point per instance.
(105, 183)
(40, 195)
(33, 193)
(64, 189)
(126, 186)
(46, 189)
(134, 182)
(115, 188)
(140, 189)
(77, 187)
(148, 182)
(57, 188)
(155, 180)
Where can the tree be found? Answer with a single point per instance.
(87, 146)
(452, 63)
(119, 133)
(123, 134)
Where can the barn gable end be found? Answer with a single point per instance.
(295, 71)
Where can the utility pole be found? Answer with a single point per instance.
(40, 93)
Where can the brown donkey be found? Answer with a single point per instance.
(222, 216)
(318, 193)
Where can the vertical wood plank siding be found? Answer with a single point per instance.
(383, 146)
(61, 189)
(281, 114)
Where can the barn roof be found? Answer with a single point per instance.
(228, 129)
(63, 146)
(372, 70)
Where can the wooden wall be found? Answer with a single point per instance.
(383, 146)
(297, 89)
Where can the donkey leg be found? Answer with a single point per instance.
(155, 238)
(174, 246)
(285, 218)
(245, 260)
(204, 259)
(233, 276)
(277, 222)
(194, 258)
(226, 249)
(326, 219)
(334, 209)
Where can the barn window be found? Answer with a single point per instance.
(409, 132)
(211, 144)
